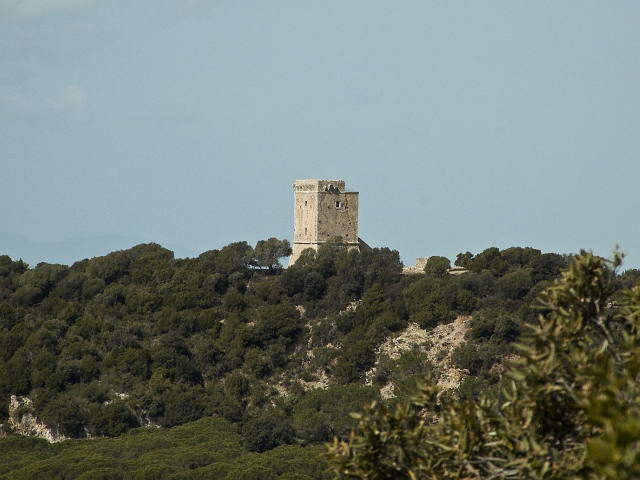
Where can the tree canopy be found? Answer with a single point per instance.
(269, 252)
(569, 407)
(139, 338)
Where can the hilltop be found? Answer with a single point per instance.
(139, 338)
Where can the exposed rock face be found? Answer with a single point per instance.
(438, 344)
(23, 422)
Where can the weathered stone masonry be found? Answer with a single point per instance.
(323, 209)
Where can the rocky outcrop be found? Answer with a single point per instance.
(438, 345)
(23, 422)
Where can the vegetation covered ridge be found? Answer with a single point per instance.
(138, 338)
(568, 408)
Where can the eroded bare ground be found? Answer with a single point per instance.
(438, 344)
(322, 381)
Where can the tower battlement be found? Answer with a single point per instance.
(333, 186)
(323, 209)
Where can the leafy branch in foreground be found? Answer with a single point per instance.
(571, 410)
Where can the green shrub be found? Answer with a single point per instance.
(321, 414)
(575, 385)
(267, 431)
(437, 266)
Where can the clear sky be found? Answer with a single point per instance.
(463, 125)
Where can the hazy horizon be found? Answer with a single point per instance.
(462, 125)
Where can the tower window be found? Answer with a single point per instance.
(305, 203)
(337, 204)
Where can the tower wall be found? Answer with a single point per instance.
(323, 209)
(338, 216)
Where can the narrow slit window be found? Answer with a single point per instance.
(337, 204)
(305, 203)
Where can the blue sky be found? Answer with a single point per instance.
(463, 125)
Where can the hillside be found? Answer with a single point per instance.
(138, 338)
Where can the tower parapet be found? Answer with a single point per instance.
(323, 209)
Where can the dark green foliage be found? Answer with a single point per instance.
(433, 301)
(437, 266)
(314, 286)
(345, 322)
(404, 372)
(110, 420)
(209, 448)
(138, 336)
(628, 279)
(111, 267)
(547, 266)
(473, 388)
(338, 276)
(463, 259)
(480, 285)
(65, 412)
(514, 285)
(499, 262)
(269, 252)
(267, 431)
(15, 374)
(13, 339)
(43, 278)
(27, 295)
(489, 260)
(275, 323)
(507, 329)
(321, 414)
(568, 410)
(7, 316)
(356, 357)
(158, 328)
(490, 340)
(293, 280)
(234, 258)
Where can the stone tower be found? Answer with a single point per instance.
(323, 209)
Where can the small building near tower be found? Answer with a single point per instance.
(323, 209)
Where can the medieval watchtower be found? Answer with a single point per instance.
(323, 209)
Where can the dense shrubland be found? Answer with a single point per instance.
(139, 338)
(205, 449)
(568, 408)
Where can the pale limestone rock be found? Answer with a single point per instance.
(29, 425)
